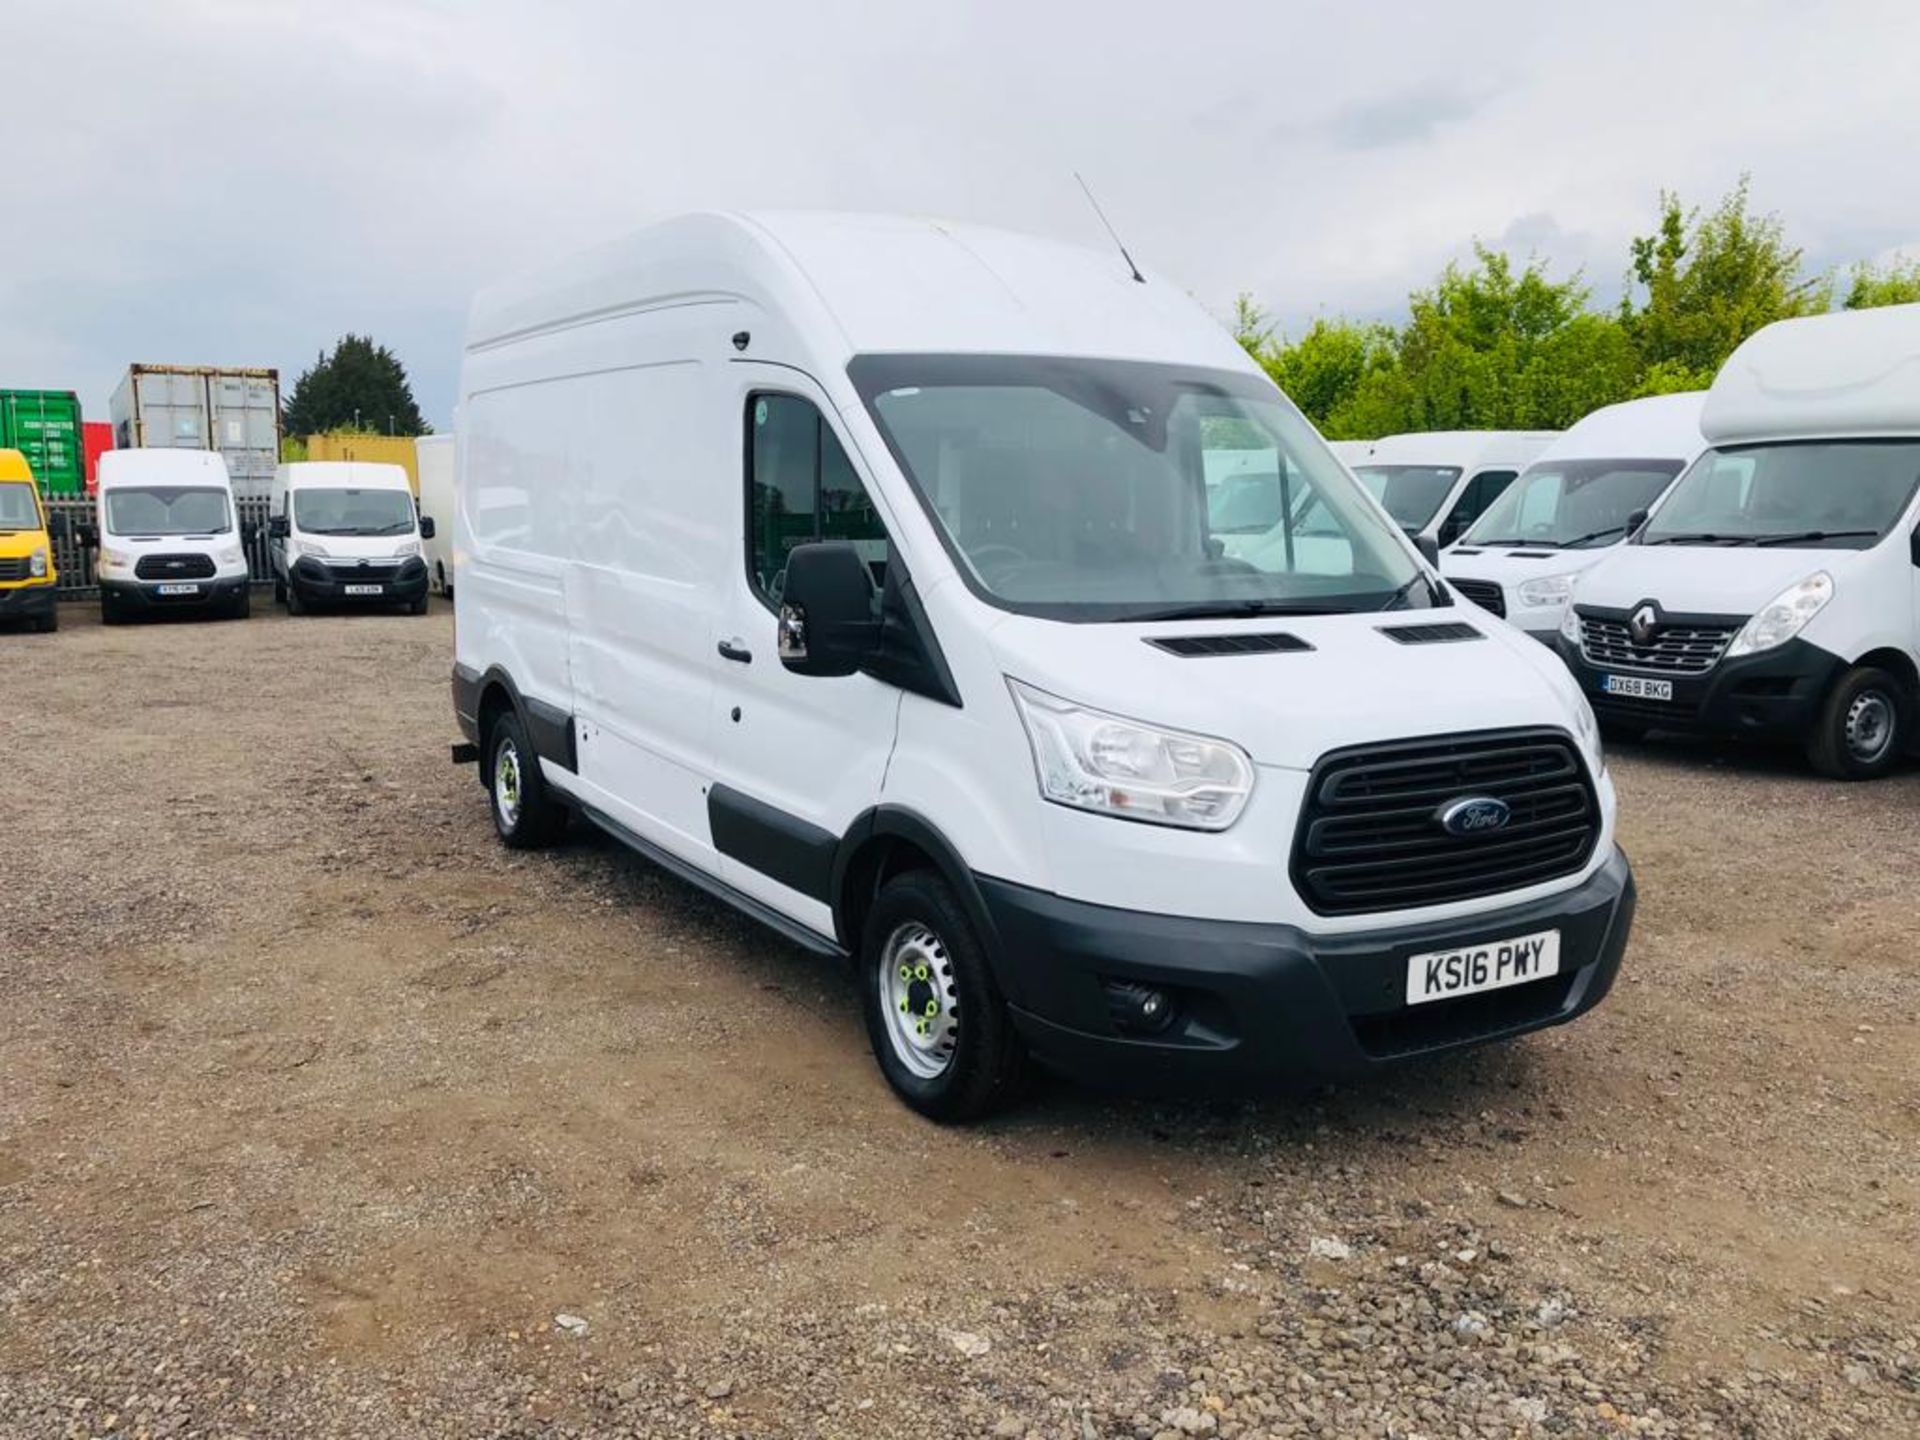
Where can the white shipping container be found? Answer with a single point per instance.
(203, 407)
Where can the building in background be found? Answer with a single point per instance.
(44, 426)
(203, 407)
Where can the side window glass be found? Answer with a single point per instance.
(802, 488)
(1481, 492)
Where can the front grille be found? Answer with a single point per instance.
(1370, 838)
(1675, 650)
(1485, 593)
(19, 567)
(174, 567)
(373, 572)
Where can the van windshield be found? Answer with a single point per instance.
(18, 508)
(1411, 493)
(1113, 490)
(167, 510)
(1572, 504)
(353, 512)
(1840, 495)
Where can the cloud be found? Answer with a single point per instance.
(1399, 119)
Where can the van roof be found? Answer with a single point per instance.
(346, 475)
(1657, 427)
(160, 466)
(1852, 373)
(13, 466)
(855, 284)
(1466, 449)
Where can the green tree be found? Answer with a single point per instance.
(360, 386)
(1700, 284)
(1897, 284)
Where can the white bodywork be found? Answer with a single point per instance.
(434, 459)
(121, 546)
(291, 479)
(600, 521)
(1485, 462)
(1350, 452)
(1536, 580)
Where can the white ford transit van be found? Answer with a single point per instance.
(433, 457)
(345, 532)
(169, 536)
(860, 571)
(1775, 590)
(1438, 483)
(1577, 499)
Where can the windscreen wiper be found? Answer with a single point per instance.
(1813, 535)
(1704, 538)
(1233, 610)
(1580, 540)
(1399, 597)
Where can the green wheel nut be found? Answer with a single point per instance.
(933, 1008)
(920, 971)
(906, 972)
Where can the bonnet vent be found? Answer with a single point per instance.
(1440, 634)
(1274, 642)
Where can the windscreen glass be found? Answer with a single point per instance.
(1411, 493)
(1843, 495)
(1572, 504)
(18, 510)
(1104, 490)
(353, 512)
(168, 510)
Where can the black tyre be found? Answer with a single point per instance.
(418, 607)
(242, 608)
(48, 623)
(279, 591)
(936, 1020)
(526, 814)
(109, 612)
(1862, 727)
(295, 605)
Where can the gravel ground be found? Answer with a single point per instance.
(323, 1115)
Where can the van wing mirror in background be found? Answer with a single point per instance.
(60, 528)
(827, 624)
(1913, 546)
(277, 527)
(1429, 549)
(1635, 521)
(86, 536)
(426, 527)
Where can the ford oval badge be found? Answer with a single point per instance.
(1474, 815)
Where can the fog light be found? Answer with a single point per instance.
(1138, 1009)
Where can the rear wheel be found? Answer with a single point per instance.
(526, 813)
(937, 1022)
(1862, 727)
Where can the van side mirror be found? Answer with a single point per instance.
(60, 529)
(1429, 549)
(1913, 546)
(1635, 521)
(277, 527)
(88, 536)
(426, 527)
(827, 624)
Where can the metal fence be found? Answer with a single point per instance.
(74, 560)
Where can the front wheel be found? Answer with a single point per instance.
(936, 1020)
(1861, 728)
(417, 607)
(526, 814)
(48, 623)
(295, 605)
(243, 607)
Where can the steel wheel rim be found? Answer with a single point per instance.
(1869, 726)
(506, 784)
(920, 1000)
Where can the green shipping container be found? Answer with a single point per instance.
(44, 425)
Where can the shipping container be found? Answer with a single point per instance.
(370, 449)
(96, 438)
(203, 407)
(44, 426)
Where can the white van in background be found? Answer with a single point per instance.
(1578, 499)
(1776, 590)
(859, 570)
(169, 536)
(1350, 452)
(1437, 483)
(434, 461)
(346, 532)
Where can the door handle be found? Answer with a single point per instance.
(734, 650)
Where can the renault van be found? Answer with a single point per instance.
(1579, 498)
(861, 571)
(1776, 591)
(434, 464)
(346, 532)
(1435, 485)
(28, 576)
(169, 536)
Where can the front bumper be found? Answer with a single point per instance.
(320, 584)
(1268, 1006)
(143, 597)
(27, 602)
(1773, 695)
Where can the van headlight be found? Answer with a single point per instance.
(1784, 616)
(406, 551)
(115, 559)
(1547, 590)
(37, 564)
(1095, 761)
(232, 555)
(1570, 627)
(307, 547)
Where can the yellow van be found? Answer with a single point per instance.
(27, 576)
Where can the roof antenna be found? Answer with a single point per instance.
(1110, 230)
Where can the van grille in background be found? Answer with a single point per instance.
(1676, 650)
(1487, 594)
(174, 567)
(1370, 837)
(1270, 643)
(19, 567)
(1443, 633)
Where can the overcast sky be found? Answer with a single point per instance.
(238, 182)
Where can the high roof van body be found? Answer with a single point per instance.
(434, 463)
(169, 535)
(862, 571)
(346, 533)
(28, 576)
(1775, 592)
(1437, 483)
(1575, 502)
